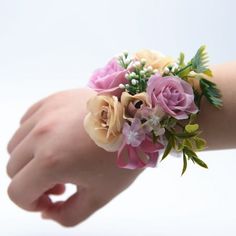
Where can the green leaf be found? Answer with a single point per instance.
(168, 148)
(200, 61)
(169, 122)
(172, 122)
(179, 144)
(191, 128)
(187, 143)
(197, 99)
(193, 156)
(181, 60)
(200, 162)
(184, 163)
(208, 72)
(185, 135)
(211, 92)
(190, 153)
(200, 143)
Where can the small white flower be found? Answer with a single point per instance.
(133, 74)
(121, 86)
(149, 68)
(132, 136)
(142, 72)
(154, 120)
(174, 66)
(166, 70)
(126, 75)
(134, 81)
(143, 60)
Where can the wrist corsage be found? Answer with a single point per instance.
(147, 104)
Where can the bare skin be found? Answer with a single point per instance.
(219, 126)
(51, 148)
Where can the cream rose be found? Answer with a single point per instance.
(104, 122)
(155, 59)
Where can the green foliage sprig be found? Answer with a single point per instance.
(211, 92)
(197, 68)
(187, 141)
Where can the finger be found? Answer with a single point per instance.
(29, 185)
(58, 189)
(43, 202)
(74, 210)
(20, 156)
(31, 111)
(21, 134)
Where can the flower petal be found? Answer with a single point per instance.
(130, 153)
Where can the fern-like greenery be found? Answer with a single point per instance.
(211, 92)
(199, 65)
(199, 62)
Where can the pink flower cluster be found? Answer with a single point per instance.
(165, 96)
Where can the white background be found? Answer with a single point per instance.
(46, 46)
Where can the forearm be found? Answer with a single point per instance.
(219, 127)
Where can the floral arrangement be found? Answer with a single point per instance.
(147, 104)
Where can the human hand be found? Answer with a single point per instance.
(50, 149)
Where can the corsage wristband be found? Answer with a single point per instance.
(148, 103)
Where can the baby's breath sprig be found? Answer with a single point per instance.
(124, 60)
(137, 79)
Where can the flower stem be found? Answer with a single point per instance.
(183, 69)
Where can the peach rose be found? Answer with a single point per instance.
(104, 122)
(155, 59)
(133, 103)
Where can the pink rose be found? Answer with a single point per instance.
(109, 78)
(174, 95)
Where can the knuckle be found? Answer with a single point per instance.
(45, 127)
(9, 147)
(11, 144)
(50, 160)
(12, 193)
